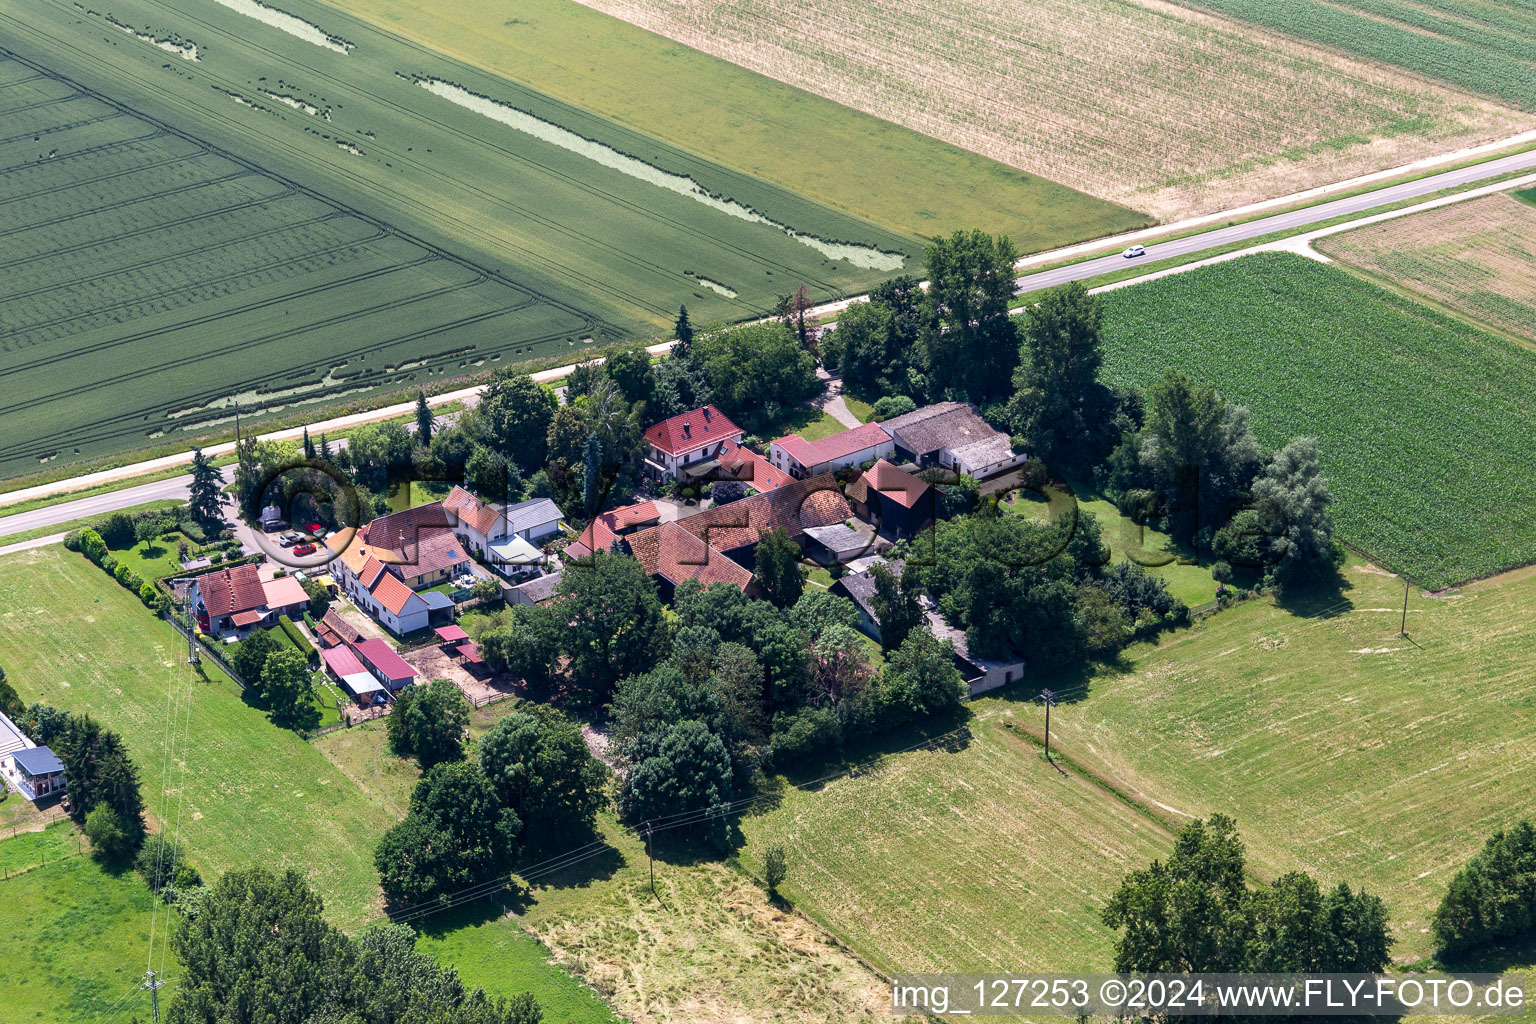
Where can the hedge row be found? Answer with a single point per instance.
(299, 640)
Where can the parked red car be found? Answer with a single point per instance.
(313, 527)
(304, 549)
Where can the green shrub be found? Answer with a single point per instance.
(891, 406)
(216, 557)
(92, 546)
(147, 594)
(72, 539)
(117, 530)
(299, 640)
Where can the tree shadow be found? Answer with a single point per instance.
(1322, 600)
(1494, 958)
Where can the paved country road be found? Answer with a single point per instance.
(176, 488)
(1248, 230)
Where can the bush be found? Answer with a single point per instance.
(72, 539)
(1493, 897)
(108, 832)
(1221, 572)
(163, 865)
(92, 546)
(299, 640)
(216, 558)
(892, 406)
(147, 594)
(810, 734)
(118, 530)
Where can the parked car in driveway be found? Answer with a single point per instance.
(304, 549)
(1134, 251)
(289, 539)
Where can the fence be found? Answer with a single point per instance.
(189, 632)
(490, 698)
(1204, 609)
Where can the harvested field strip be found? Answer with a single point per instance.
(1484, 47)
(858, 255)
(1015, 859)
(796, 140)
(1415, 412)
(289, 23)
(1136, 101)
(1478, 257)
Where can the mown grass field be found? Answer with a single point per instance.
(75, 942)
(891, 175)
(1139, 102)
(1341, 748)
(1421, 418)
(244, 790)
(1484, 47)
(1476, 258)
(282, 223)
(981, 858)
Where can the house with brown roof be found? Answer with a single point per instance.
(801, 458)
(735, 529)
(954, 436)
(335, 631)
(897, 503)
(484, 526)
(607, 527)
(235, 601)
(383, 566)
(687, 438)
(671, 555)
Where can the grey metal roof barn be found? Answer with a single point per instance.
(527, 514)
(37, 761)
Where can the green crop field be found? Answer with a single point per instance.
(1482, 45)
(904, 180)
(201, 207)
(1421, 418)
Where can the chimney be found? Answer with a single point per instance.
(706, 414)
(687, 429)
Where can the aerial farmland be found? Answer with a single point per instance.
(1158, 107)
(703, 512)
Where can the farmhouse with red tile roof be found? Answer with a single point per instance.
(689, 437)
(801, 458)
(235, 600)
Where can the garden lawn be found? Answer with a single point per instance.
(246, 792)
(74, 944)
(1422, 420)
(159, 559)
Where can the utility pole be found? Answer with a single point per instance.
(1404, 631)
(651, 858)
(1049, 700)
(153, 984)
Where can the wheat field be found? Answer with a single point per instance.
(1164, 109)
(1475, 257)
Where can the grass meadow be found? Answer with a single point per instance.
(244, 791)
(75, 943)
(1417, 414)
(1340, 748)
(1142, 103)
(893, 176)
(1474, 258)
(282, 224)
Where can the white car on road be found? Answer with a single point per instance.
(1134, 251)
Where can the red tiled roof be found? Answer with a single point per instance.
(815, 501)
(284, 592)
(901, 487)
(232, 590)
(471, 511)
(382, 657)
(341, 661)
(751, 468)
(386, 531)
(603, 530)
(690, 430)
(333, 630)
(247, 618)
(835, 446)
(391, 593)
(433, 551)
(670, 551)
(370, 571)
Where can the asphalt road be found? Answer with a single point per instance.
(176, 487)
(1252, 229)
